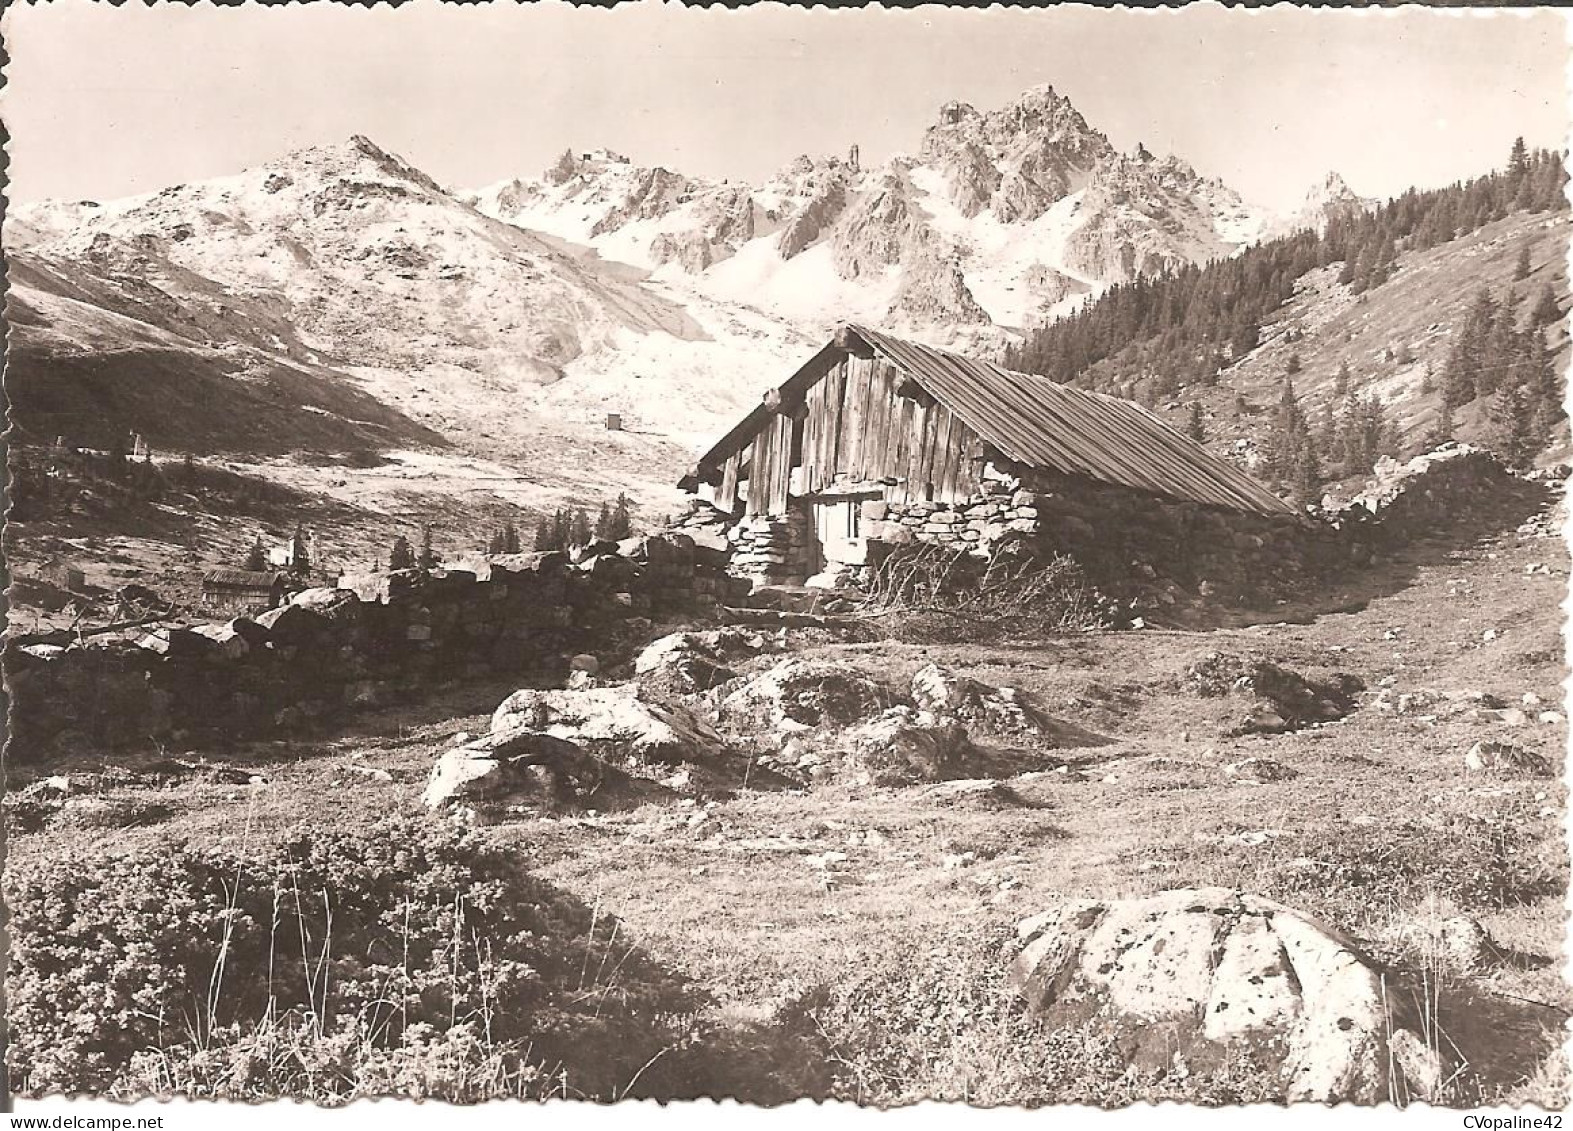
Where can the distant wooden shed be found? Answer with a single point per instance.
(242, 590)
(65, 575)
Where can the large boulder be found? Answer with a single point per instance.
(903, 746)
(612, 723)
(1003, 710)
(799, 694)
(688, 663)
(229, 642)
(1206, 976)
(1279, 700)
(516, 764)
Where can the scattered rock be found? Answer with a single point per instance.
(374, 773)
(1506, 758)
(612, 723)
(1260, 771)
(520, 763)
(798, 695)
(1003, 710)
(904, 746)
(688, 663)
(1459, 942)
(1201, 976)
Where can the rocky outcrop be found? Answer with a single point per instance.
(902, 747)
(1506, 758)
(562, 170)
(612, 723)
(933, 291)
(1200, 977)
(690, 663)
(810, 223)
(881, 228)
(653, 194)
(1280, 700)
(514, 766)
(1000, 710)
(1051, 287)
(971, 176)
(1143, 216)
(801, 694)
(723, 220)
(1017, 160)
(1452, 483)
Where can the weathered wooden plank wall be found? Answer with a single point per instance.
(856, 429)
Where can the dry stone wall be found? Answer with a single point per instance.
(772, 550)
(1161, 553)
(377, 639)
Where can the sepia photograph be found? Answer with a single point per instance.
(1012, 557)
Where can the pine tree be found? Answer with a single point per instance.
(1461, 376)
(1546, 312)
(1193, 423)
(1341, 380)
(428, 559)
(545, 536)
(1442, 430)
(1517, 162)
(495, 546)
(1512, 427)
(1428, 380)
(299, 558)
(117, 457)
(401, 556)
(188, 471)
(1521, 268)
(1307, 481)
(510, 538)
(622, 525)
(603, 521)
(1293, 367)
(579, 531)
(257, 556)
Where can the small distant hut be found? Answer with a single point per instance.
(614, 422)
(64, 575)
(242, 590)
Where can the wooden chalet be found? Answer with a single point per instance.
(243, 590)
(874, 419)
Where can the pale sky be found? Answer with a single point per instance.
(105, 102)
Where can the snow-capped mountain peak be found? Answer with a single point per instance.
(1003, 218)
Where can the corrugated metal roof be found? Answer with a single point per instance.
(1041, 423)
(240, 579)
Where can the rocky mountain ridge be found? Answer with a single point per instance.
(1002, 220)
(516, 319)
(348, 260)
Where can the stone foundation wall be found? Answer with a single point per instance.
(377, 639)
(774, 551)
(1157, 553)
